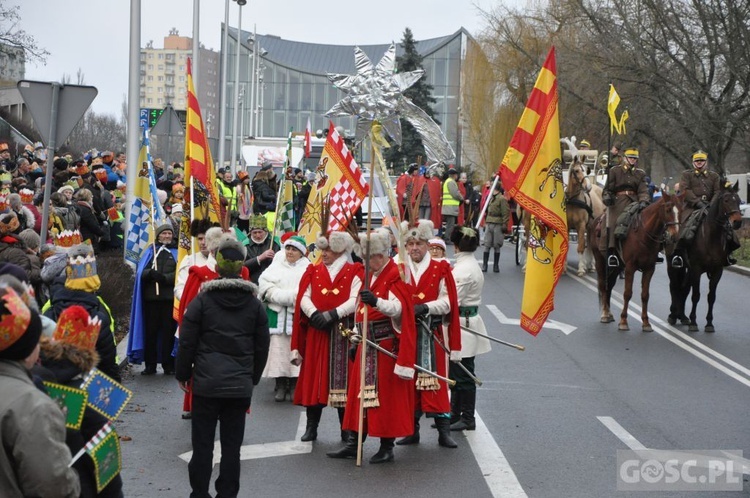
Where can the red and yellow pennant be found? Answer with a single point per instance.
(531, 172)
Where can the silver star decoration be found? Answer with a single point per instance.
(375, 93)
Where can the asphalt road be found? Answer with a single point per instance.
(551, 418)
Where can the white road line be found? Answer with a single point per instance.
(636, 314)
(495, 468)
(682, 335)
(623, 435)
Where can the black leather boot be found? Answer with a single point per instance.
(313, 419)
(414, 438)
(350, 447)
(385, 453)
(456, 396)
(468, 421)
(281, 385)
(485, 260)
(344, 434)
(445, 440)
(496, 261)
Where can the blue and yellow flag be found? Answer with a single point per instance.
(146, 213)
(531, 172)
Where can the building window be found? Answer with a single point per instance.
(150, 55)
(150, 67)
(150, 100)
(161, 78)
(160, 90)
(161, 67)
(151, 78)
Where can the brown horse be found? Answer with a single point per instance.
(583, 203)
(708, 251)
(638, 251)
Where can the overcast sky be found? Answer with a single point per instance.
(93, 35)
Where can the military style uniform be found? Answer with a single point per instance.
(625, 184)
(700, 187)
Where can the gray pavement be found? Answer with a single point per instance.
(544, 409)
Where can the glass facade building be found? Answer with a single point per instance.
(287, 84)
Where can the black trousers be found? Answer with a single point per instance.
(230, 413)
(159, 331)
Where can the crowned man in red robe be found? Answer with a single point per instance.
(327, 296)
(389, 384)
(438, 329)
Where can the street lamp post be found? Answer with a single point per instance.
(223, 88)
(242, 120)
(236, 88)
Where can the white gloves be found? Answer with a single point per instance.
(296, 358)
(456, 356)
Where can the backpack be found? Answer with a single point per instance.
(70, 218)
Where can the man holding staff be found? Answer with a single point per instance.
(389, 391)
(433, 291)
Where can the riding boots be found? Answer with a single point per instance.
(414, 438)
(485, 260)
(467, 422)
(350, 446)
(313, 419)
(385, 453)
(443, 425)
(496, 261)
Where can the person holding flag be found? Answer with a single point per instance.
(260, 248)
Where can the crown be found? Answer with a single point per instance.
(68, 238)
(13, 324)
(4, 206)
(5, 177)
(75, 326)
(101, 175)
(27, 196)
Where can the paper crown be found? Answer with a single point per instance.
(258, 222)
(101, 175)
(27, 196)
(82, 169)
(68, 239)
(5, 177)
(76, 327)
(9, 222)
(14, 323)
(81, 270)
(4, 206)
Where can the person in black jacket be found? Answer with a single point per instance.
(81, 286)
(264, 190)
(223, 347)
(157, 293)
(90, 227)
(260, 249)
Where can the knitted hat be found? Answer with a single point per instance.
(20, 327)
(229, 258)
(258, 222)
(267, 165)
(162, 195)
(298, 243)
(60, 164)
(380, 243)
(178, 187)
(30, 238)
(65, 187)
(76, 327)
(81, 270)
(437, 242)
(9, 223)
(163, 228)
(176, 208)
(423, 230)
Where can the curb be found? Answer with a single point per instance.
(742, 270)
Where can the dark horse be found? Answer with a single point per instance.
(707, 253)
(638, 251)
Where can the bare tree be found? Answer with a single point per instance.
(12, 35)
(98, 131)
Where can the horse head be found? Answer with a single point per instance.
(726, 205)
(670, 211)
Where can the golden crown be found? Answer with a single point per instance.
(68, 238)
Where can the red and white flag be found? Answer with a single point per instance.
(308, 138)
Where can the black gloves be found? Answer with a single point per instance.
(368, 297)
(643, 204)
(323, 320)
(608, 198)
(421, 309)
(701, 204)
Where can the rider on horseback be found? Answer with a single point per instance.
(700, 186)
(626, 184)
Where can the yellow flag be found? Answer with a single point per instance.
(531, 171)
(612, 103)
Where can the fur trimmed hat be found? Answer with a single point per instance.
(437, 242)
(229, 257)
(213, 237)
(380, 243)
(338, 242)
(423, 230)
(198, 227)
(298, 243)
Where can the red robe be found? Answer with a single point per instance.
(425, 290)
(394, 417)
(401, 185)
(314, 345)
(462, 206)
(197, 275)
(436, 200)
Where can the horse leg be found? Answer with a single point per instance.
(626, 295)
(695, 288)
(581, 230)
(713, 282)
(604, 294)
(645, 286)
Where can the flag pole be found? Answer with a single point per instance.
(365, 319)
(282, 186)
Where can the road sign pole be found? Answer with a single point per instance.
(50, 159)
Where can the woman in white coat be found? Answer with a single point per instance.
(469, 283)
(278, 287)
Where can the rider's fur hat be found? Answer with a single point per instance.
(421, 230)
(337, 242)
(380, 243)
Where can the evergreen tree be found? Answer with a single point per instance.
(421, 94)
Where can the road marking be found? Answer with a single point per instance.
(549, 324)
(634, 311)
(266, 450)
(635, 445)
(495, 468)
